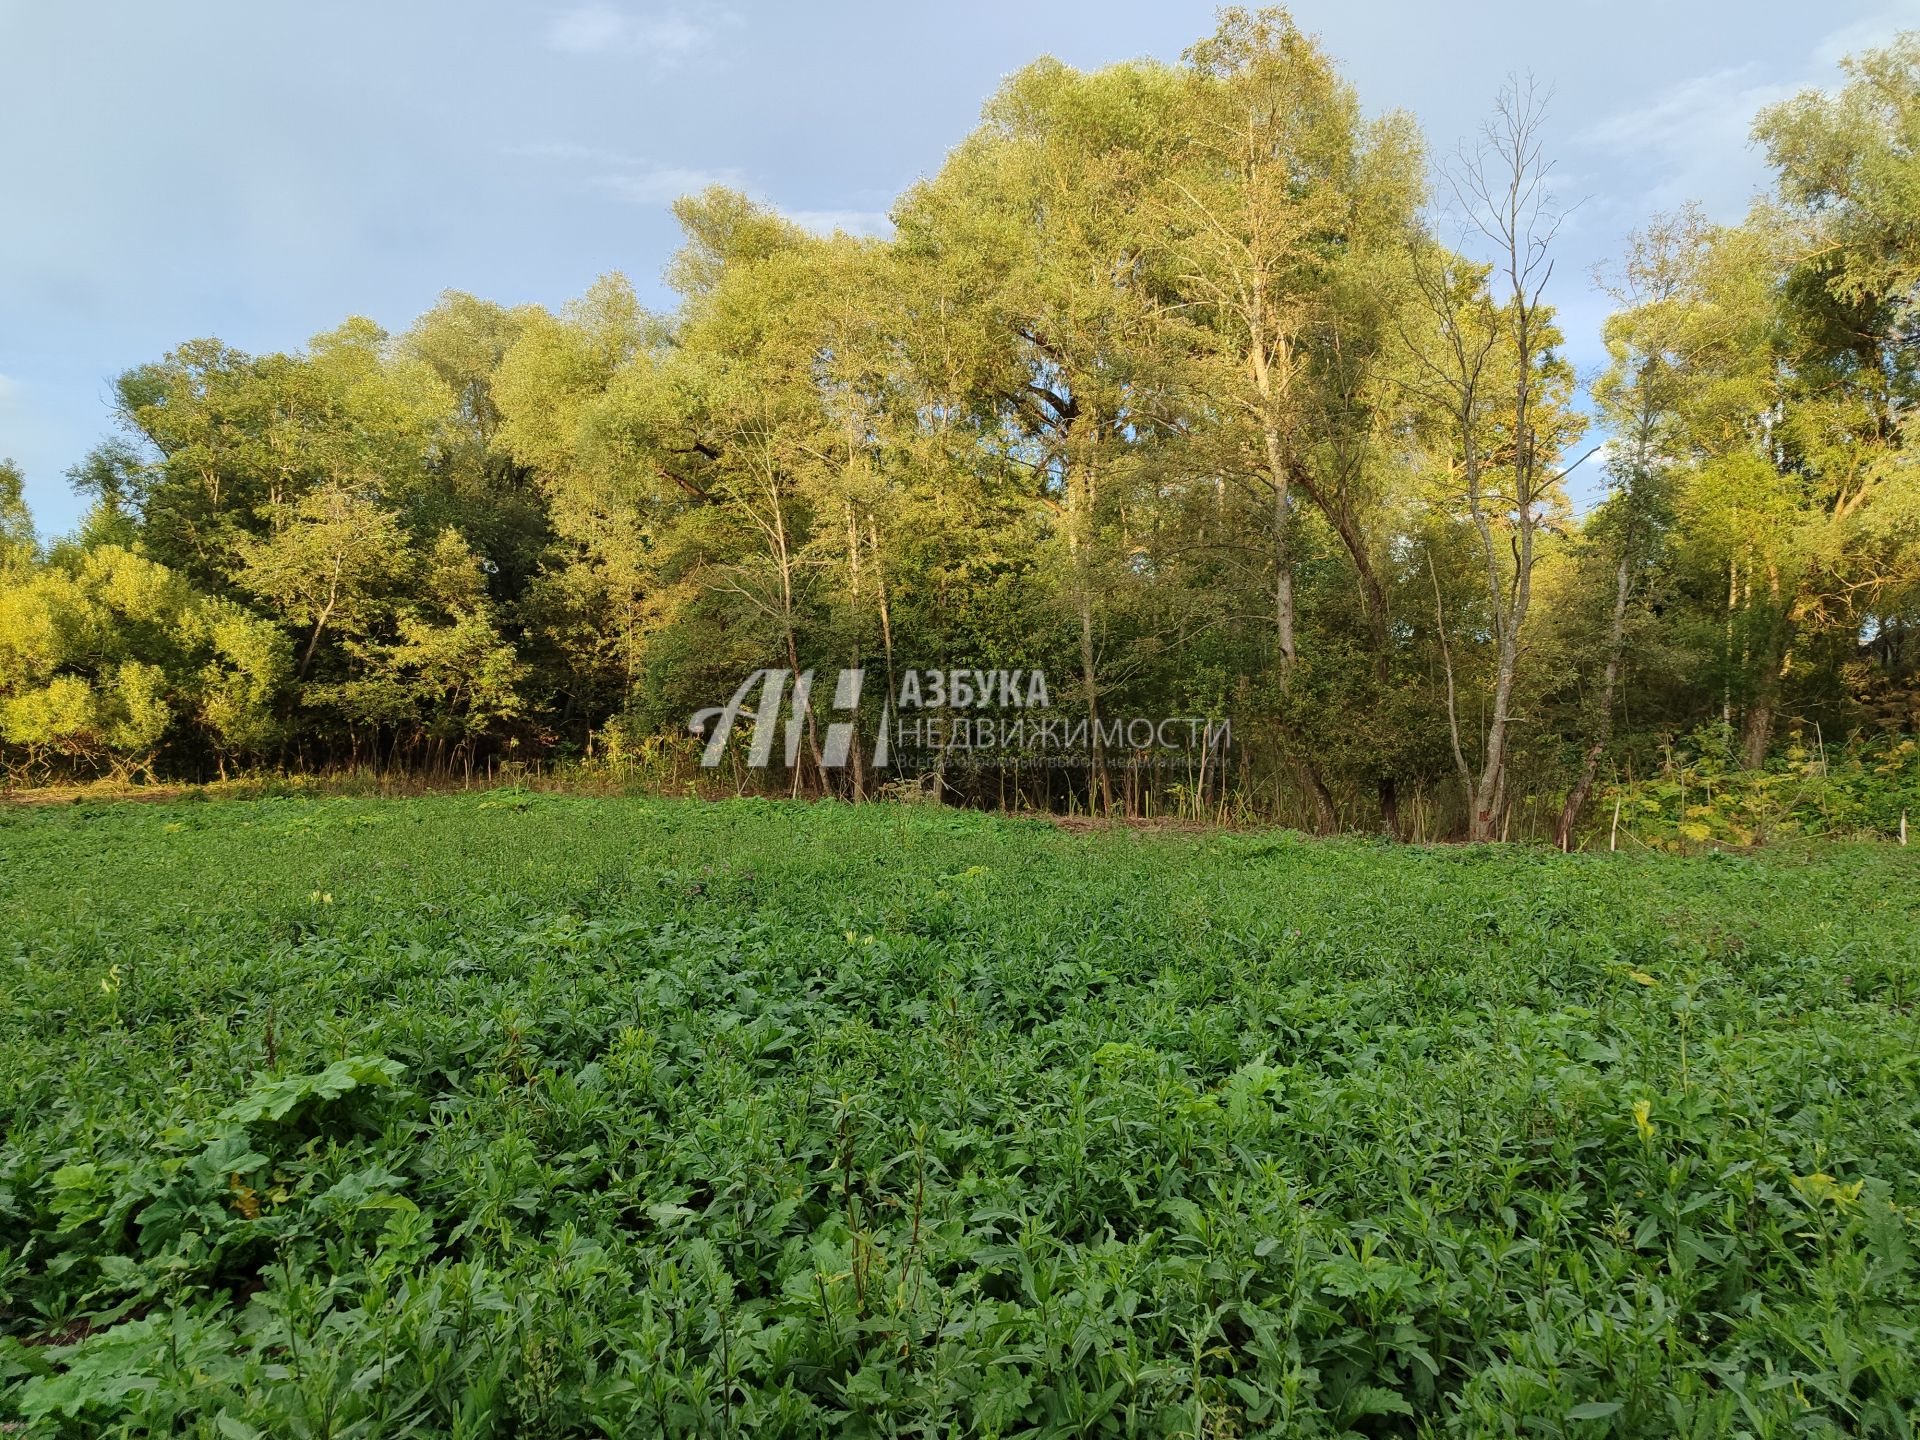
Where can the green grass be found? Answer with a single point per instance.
(546, 1116)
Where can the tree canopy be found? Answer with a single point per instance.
(1171, 383)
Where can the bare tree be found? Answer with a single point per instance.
(1481, 366)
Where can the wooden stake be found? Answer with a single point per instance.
(1613, 839)
(1903, 827)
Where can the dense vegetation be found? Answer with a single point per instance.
(1189, 384)
(549, 1116)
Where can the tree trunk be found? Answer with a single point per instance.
(1326, 814)
(313, 643)
(1484, 820)
(1756, 729)
(1390, 806)
(856, 762)
(1616, 649)
(1373, 607)
(1283, 603)
(1099, 780)
(1080, 505)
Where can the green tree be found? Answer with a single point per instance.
(108, 657)
(1286, 213)
(332, 564)
(1041, 212)
(18, 544)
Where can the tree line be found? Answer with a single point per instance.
(1190, 385)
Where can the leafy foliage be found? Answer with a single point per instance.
(533, 1115)
(1704, 796)
(1165, 384)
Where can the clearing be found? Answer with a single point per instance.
(539, 1115)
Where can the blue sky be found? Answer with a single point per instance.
(259, 171)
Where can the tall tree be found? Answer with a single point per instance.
(1282, 197)
(1042, 206)
(1488, 366)
(1637, 396)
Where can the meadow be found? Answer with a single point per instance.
(519, 1114)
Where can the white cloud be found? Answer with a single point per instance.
(666, 37)
(1720, 102)
(1867, 33)
(567, 150)
(854, 222)
(1692, 141)
(626, 177)
(638, 181)
(661, 184)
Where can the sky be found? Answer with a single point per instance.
(261, 170)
